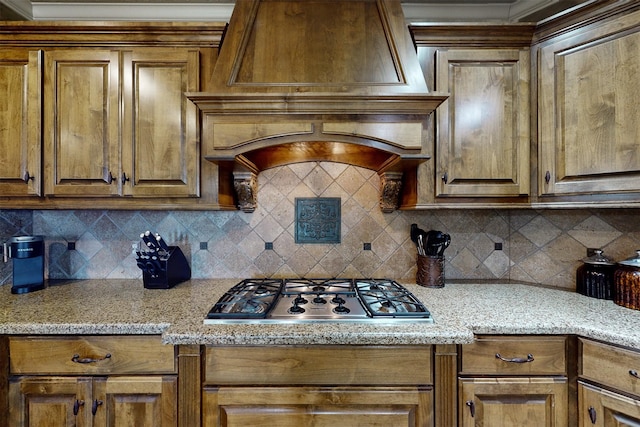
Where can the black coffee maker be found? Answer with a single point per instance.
(27, 253)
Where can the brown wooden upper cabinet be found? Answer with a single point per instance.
(20, 141)
(117, 123)
(482, 142)
(588, 118)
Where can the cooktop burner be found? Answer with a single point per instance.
(317, 300)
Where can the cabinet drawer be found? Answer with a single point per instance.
(611, 366)
(298, 365)
(90, 355)
(515, 355)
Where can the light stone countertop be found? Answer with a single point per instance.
(459, 310)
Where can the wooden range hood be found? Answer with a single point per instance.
(316, 80)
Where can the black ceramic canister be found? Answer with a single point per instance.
(594, 278)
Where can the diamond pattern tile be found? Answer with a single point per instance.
(540, 246)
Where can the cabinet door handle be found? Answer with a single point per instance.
(77, 359)
(96, 404)
(124, 178)
(108, 177)
(445, 178)
(472, 408)
(27, 177)
(77, 405)
(547, 177)
(634, 373)
(516, 359)
(592, 414)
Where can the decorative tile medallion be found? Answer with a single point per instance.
(318, 220)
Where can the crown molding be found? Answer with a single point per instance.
(132, 11)
(415, 13)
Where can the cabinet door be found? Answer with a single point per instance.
(136, 401)
(50, 401)
(320, 407)
(81, 123)
(522, 402)
(483, 128)
(20, 141)
(160, 148)
(589, 132)
(599, 407)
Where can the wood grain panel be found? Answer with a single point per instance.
(318, 365)
(548, 354)
(483, 128)
(20, 140)
(53, 355)
(160, 150)
(353, 49)
(36, 402)
(589, 135)
(522, 402)
(611, 409)
(140, 401)
(610, 366)
(81, 122)
(298, 406)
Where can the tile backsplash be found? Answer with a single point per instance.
(538, 246)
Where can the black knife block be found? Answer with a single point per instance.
(175, 269)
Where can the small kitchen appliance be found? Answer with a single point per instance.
(317, 300)
(27, 253)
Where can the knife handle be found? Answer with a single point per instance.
(161, 243)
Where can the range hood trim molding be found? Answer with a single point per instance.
(302, 103)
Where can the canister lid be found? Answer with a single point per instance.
(598, 258)
(634, 261)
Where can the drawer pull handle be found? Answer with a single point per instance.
(77, 359)
(634, 373)
(94, 407)
(77, 405)
(592, 414)
(516, 359)
(472, 407)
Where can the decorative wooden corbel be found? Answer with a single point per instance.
(390, 187)
(245, 185)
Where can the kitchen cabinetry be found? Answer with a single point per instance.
(94, 115)
(481, 133)
(588, 124)
(92, 381)
(153, 152)
(514, 380)
(324, 385)
(20, 141)
(483, 128)
(609, 386)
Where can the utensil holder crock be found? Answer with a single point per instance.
(430, 272)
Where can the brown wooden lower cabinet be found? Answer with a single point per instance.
(291, 386)
(87, 401)
(602, 407)
(521, 402)
(317, 406)
(91, 381)
(515, 381)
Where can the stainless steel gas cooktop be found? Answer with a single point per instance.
(317, 300)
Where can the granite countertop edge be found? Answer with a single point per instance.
(460, 311)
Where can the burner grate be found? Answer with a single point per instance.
(249, 299)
